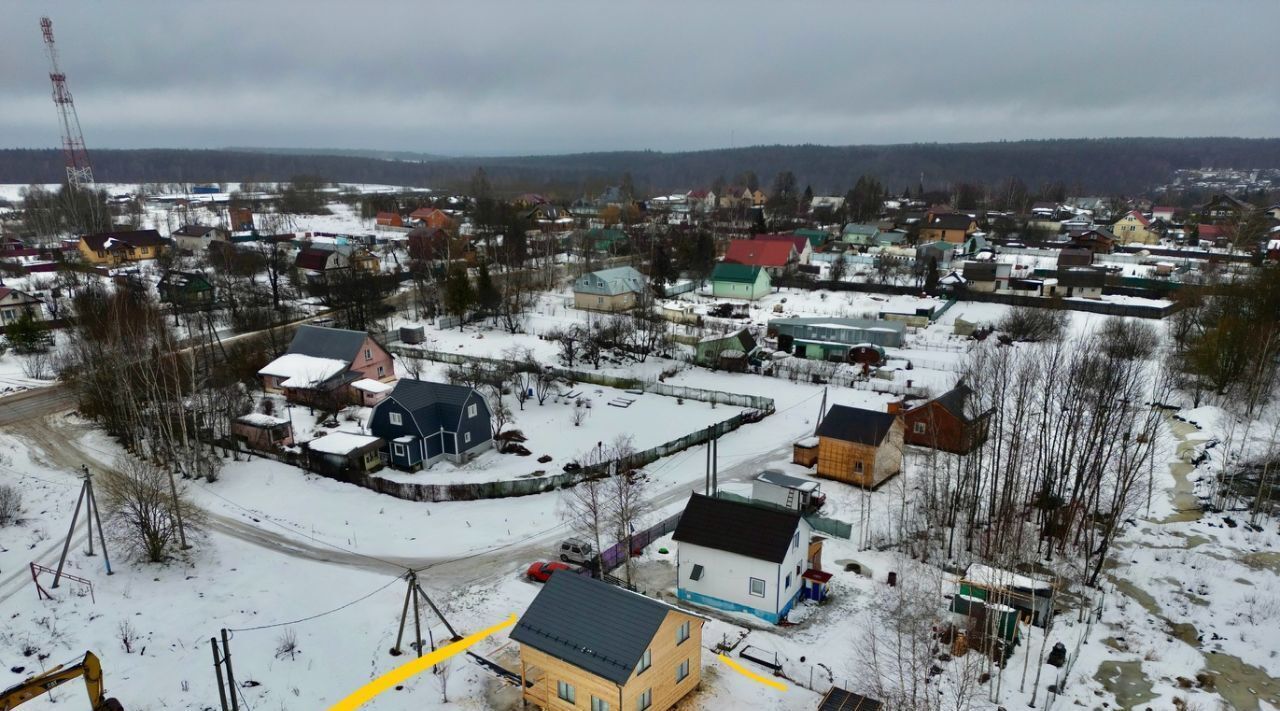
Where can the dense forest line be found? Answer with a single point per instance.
(1105, 166)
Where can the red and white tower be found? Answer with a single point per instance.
(79, 172)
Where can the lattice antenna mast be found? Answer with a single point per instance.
(79, 172)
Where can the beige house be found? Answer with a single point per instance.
(618, 289)
(586, 644)
(1134, 227)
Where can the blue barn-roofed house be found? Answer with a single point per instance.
(423, 422)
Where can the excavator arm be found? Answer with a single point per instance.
(89, 668)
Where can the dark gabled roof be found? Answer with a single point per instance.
(194, 281)
(432, 405)
(953, 401)
(838, 699)
(759, 532)
(853, 424)
(194, 230)
(322, 342)
(1083, 277)
(132, 238)
(599, 628)
(951, 221)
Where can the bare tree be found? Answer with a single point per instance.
(140, 509)
(10, 504)
(625, 491)
(586, 506)
(544, 384)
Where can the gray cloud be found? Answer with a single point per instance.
(531, 77)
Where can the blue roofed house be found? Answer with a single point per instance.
(423, 422)
(860, 234)
(618, 289)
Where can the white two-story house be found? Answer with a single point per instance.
(746, 557)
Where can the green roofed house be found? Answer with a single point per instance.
(617, 289)
(860, 234)
(739, 281)
(728, 351)
(816, 238)
(608, 241)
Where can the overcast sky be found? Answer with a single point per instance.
(551, 77)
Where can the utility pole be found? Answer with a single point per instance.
(217, 669)
(231, 677)
(91, 514)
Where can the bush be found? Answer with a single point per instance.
(10, 504)
(1029, 323)
(1128, 339)
(139, 508)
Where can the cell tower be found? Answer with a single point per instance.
(79, 172)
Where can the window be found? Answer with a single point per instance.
(399, 449)
(472, 410)
(645, 700)
(857, 467)
(646, 661)
(466, 438)
(787, 582)
(757, 587)
(795, 540)
(919, 427)
(598, 704)
(696, 573)
(797, 570)
(381, 371)
(566, 692)
(368, 354)
(682, 671)
(395, 418)
(599, 300)
(682, 632)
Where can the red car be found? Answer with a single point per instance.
(540, 571)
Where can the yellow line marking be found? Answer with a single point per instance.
(403, 672)
(752, 675)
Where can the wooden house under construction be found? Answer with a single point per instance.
(859, 447)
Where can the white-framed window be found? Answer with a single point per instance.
(566, 692)
(395, 418)
(466, 438)
(645, 700)
(795, 540)
(381, 371)
(368, 354)
(398, 449)
(682, 632)
(682, 671)
(598, 704)
(646, 661)
(797, 570)
(919, 427)
(472, 410)
(757, 587)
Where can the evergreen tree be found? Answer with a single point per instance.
(459, 297)
(487, 297)
(661, 270)
(27, 335)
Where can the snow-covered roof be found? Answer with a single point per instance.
(342, 442)
(808, 442)
(370, 385)
(302, 371)
(260, 419)
(995, 577)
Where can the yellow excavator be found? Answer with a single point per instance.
(89, 668)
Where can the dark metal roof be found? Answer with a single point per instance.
(853, 424)
(759, 532)
(951, 221)
(132, 238)
(432, 405)
(597, 627)
(321, 342)
(838, 699)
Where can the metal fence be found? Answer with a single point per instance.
(615, 555)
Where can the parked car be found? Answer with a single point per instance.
(576, 550)
(540, 571)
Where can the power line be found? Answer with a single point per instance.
(318, 615)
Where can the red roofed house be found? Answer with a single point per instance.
(1215, 234)
(389, 219)
(776, 257)
(804, 249)
(433, 217)
(1134, 227)
(1163, 212)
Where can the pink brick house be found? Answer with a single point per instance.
(329, 365)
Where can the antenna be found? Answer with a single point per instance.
(79, 172)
